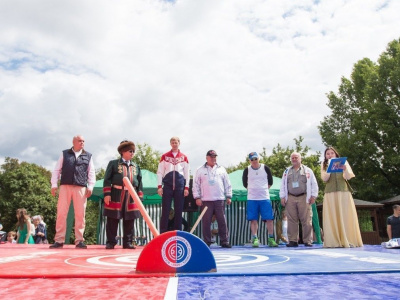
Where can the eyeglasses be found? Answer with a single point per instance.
(253, 159)
(131, 151)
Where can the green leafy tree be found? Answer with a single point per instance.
(26, 185)
(100, 173)
(146, 157)
(364, 124)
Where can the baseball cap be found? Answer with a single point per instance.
(211, 153)
(253, 155)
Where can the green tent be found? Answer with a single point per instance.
(240, 192)
(149, 188)
(235, 215)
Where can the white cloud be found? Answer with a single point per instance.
(234, 76)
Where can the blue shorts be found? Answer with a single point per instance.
(257, 207)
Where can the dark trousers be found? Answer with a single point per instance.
(179, 200)
(216, 208)
(112, 227)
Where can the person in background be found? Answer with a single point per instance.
(39, 236)
(284, 236)
(340, 221)
(171, 222)
(2, 233)
(299, 189)
(393, 223)
(76, 169)
(173, 177)
(24, 226)
(11, 235)
(214, 229)
(44, 225)
(118, 203)
(211, 187)
(257, 179)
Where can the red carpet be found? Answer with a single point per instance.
(37, 272)
(38, 261)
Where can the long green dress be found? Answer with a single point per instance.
(22, 236)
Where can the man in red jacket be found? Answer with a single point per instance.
(173, 182)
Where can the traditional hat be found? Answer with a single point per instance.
(125, 146)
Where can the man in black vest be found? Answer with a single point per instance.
(75, 166)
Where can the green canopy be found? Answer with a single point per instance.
(149, 188)
(240, 192)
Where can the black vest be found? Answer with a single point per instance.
(75, 170)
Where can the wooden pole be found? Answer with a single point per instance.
(198, 219)
(140, 205)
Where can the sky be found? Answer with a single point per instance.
(233, 76)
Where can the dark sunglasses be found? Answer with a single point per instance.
(253, 159)
(131, 151)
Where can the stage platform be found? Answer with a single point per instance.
(295, 272)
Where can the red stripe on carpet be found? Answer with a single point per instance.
(74, 288)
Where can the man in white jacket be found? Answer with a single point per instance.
(211, 187)
(299, 189)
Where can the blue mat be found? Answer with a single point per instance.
(369, 272)
(334, 286)
(248, 261)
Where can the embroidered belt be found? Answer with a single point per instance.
(297, 195)
(119, 187)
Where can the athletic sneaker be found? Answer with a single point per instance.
(272, 243)
(256, 243)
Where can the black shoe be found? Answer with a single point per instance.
(292, 244)
(81, 245)
(109, 246)
(227, 245)
(308, 245)
(129, 246)
(56, 245)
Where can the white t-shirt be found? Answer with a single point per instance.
(257, 187)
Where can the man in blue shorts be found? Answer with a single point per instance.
(257, 178)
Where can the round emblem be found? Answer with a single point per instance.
(176, 251)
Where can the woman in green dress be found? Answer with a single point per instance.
(24, 227)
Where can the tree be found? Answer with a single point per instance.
(365, 124)
(100, 173)
(26, 185)
(279, 160)
(146, 157)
